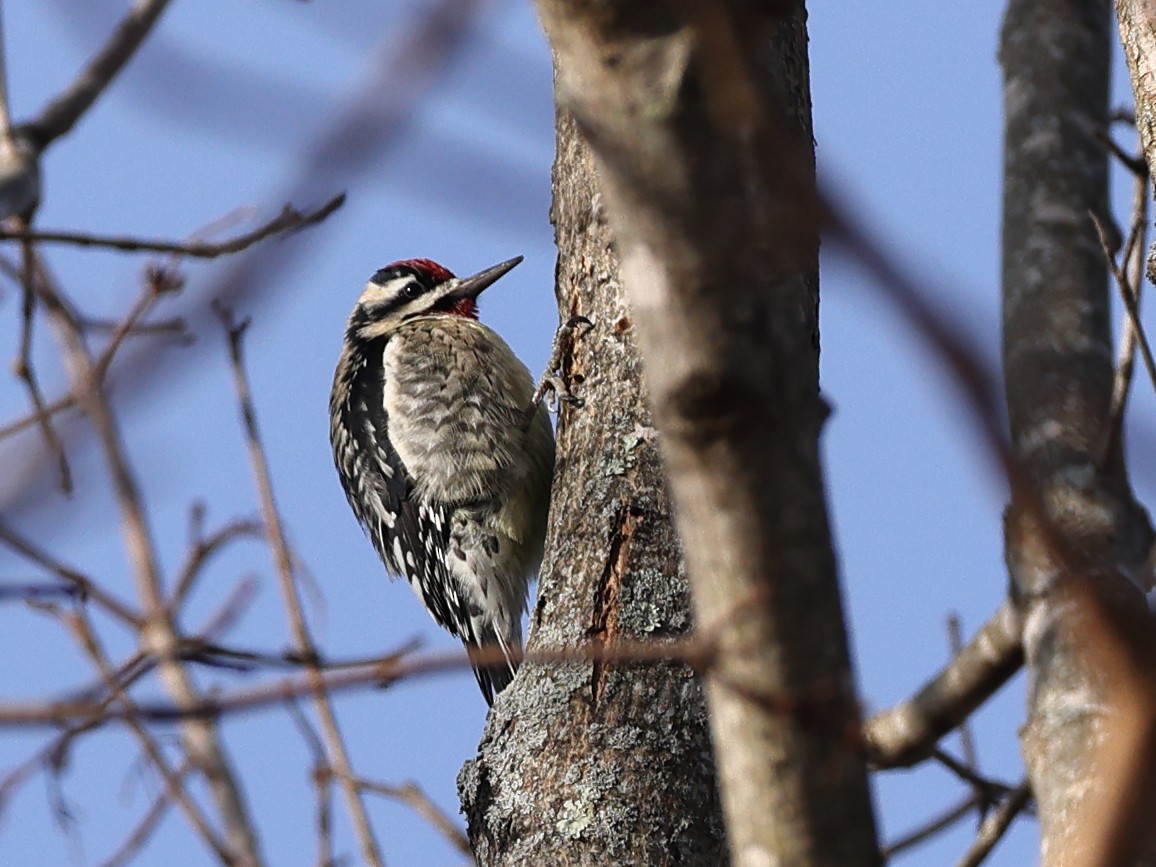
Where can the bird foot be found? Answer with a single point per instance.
(553, 388)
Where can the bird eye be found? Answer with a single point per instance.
(411, 290)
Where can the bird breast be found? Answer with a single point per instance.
(457, 399)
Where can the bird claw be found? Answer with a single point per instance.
(553, 390)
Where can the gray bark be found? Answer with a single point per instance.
(592, 763)
(1073, 517)
(1138, 34)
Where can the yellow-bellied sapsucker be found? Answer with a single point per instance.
(443, 458)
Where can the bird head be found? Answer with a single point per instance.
(419, 287)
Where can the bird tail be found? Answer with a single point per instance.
(495, 676)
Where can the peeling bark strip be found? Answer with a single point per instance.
(578, 765)
(698, 115)
(605, 624)
(1058, 381)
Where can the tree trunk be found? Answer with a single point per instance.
(698, 116)
(1075, 535)
(592, 763)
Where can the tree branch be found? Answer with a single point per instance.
(905, 734)
(159, 634)
(60, 115)
(289, 220)
(337, 755)
(1074, 534)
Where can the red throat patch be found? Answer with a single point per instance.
(466, 307)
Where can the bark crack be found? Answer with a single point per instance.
(604, 623)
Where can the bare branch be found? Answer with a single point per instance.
(1133, 258)
(410, 793)
(160, 635)
(149, 822)
(370, 121)
(1129, 299)
(23, 364)
(289, 220)
(697, 651)
(100, 699)
(5, 108)
(996, 825)
(322, 776)
(174, 785)
(37, 417)
(906, 733)
(989, 791)
(88, 588)
(966, 739)
(203, 550)
(60, 115)
(337, 754)
(37, 591)
(932, 827)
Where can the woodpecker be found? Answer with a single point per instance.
(445, 455)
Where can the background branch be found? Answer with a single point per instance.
(337, 755)
(905, 734)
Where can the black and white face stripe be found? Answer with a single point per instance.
(403, 289)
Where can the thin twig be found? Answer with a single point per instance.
(38, 416)
(5, 109)
(199, 649)
(1133, 256)
(144, 301)
(288, 220)
(203, 550)
(88, 588)
(932, 827)
(996, 825)
(136, 666)
(992, 790)
(158, 283)
(696, 651)
(23, 364)
(169, 327)
(229, 611)
(966, 740)
(149, 822)
(58, 746)
(160, 637)
(87, 639)
(1137, 165)
(404, 69)
(322, 777)
(37, 591)
(337, 754)
(410, 794)
(1130, 301)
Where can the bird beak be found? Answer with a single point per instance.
(471, 287)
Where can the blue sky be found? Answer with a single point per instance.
(218, 112)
